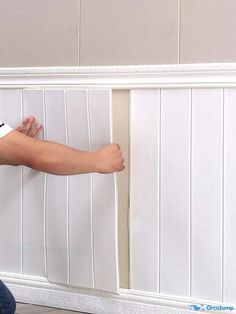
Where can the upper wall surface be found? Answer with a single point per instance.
(111, 32)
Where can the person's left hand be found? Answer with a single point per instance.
(29, 127)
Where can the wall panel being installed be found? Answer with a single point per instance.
(81, 248)
(58, 227)
(104, 197)
(177, 213)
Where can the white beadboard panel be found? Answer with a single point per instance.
(206, 202)
(10, 192)
(229, 284)
(56, 194)
(33, 198)
(104, 200)
(80, 220)
(174, 196)
(144, 189)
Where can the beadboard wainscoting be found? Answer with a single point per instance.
(58, 235)
(58, 227)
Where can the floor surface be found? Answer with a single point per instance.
(22, 308)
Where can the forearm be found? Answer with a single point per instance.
(18, 149)
(58, 159)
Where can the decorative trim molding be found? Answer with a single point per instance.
(148, 76)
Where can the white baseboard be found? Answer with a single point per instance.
(40, 292)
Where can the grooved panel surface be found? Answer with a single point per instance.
(57, 227)
(183, 172)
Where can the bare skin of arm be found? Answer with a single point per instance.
(20, 147)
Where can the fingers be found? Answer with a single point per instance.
(35, 130)
(120, 163)
(26, 125)
(29, 127)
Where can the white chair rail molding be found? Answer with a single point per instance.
(59, 235)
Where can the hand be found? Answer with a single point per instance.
(109, 159)
(30, 127)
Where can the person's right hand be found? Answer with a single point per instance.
(109, 159)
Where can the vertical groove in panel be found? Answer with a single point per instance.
(79, 30)
(159, 198)
(45, 193)
(67, 195)
(222, 180)
(91, 188)
(190, 195)
(179, 29)
(22, 222)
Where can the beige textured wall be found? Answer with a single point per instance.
(120, 105)
(115, 32)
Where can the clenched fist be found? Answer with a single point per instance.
(109, 159)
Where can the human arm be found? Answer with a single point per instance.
(18, 149)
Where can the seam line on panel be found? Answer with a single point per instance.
(159, 194)
(179, 28)
(190, 195)
(45, 194)
(22, 222)
(91, 188)
(67, 194)
(223, 189)
(79, 30)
